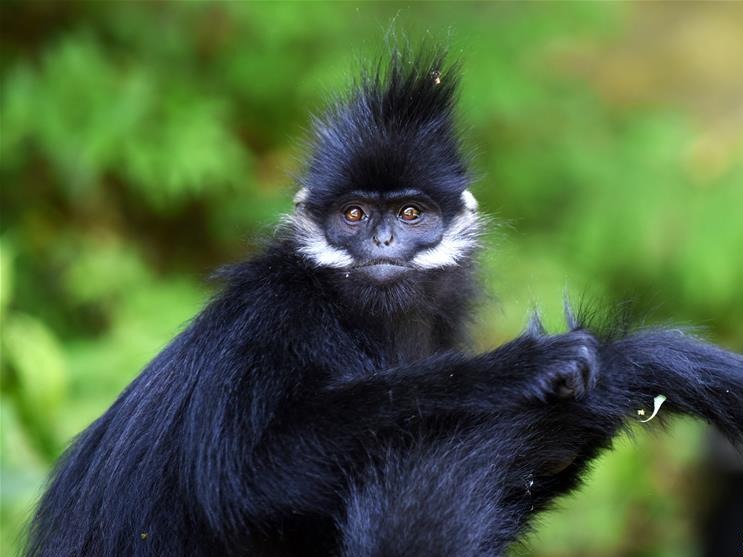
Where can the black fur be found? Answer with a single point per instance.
(300, 414)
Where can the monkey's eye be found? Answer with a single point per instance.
(410, 213)
(354, 213)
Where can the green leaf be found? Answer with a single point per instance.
(33, 353)
(6, 275)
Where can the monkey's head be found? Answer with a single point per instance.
(384, 199)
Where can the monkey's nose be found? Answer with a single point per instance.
(385, 238)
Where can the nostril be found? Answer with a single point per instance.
(383, 236)
(379, 242)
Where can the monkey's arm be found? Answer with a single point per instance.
(314, 442)
(526, 368)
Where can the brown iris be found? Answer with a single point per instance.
(354, 213)
(410, 213)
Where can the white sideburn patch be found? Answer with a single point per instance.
(311, 239)
(459, 240)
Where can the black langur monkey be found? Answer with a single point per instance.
(324, 402)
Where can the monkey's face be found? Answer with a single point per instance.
(386, 238)
(383, 233)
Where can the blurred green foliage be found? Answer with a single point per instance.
(144, 143)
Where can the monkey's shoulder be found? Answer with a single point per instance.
(275, 302)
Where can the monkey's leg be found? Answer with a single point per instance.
(462, 496)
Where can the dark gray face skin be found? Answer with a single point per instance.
(383, 233)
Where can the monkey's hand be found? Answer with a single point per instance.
(565, 366)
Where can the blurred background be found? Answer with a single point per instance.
(143, 144)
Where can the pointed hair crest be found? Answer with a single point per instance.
(395, 130)
(412, 90)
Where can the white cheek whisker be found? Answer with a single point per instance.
(313, 245)
(460, 239)
(458, 242)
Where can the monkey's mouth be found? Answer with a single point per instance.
(383, 271)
